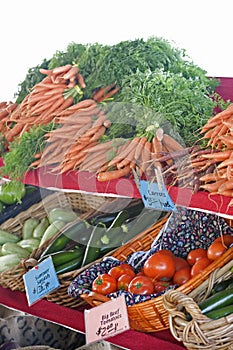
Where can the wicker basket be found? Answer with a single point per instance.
(85, 203)
(151, 315)
(79, 202)
(201, 332)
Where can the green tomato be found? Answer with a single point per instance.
(12, 192)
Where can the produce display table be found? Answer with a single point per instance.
(74, 319)
(86, 182)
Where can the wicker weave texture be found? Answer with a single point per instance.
(201, 332)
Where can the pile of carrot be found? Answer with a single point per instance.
(48, 98)
(67, 146)
(219, 133)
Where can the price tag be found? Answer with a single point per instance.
(40, 280)
(155, 196)
(106, 320)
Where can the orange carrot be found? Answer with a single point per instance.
(140, 147)
(73, 71)
(128, 146)
(14, 132)
(98, 134)
(218, 156)
(114, 174)
(61, 69)
(81, 81)
(212, 187)
(171, 144)
(227, 185)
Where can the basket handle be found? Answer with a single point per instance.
(174, 300)
(94, 299)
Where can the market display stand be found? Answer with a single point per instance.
(85, 182)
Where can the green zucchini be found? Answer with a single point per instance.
(14, 248)
(70, 234)
(221, 312)
(222, 285)
(145, 220)
(8, 237)
(69, 266)
(63, 214)
(107, 219)
(51, 230)
(217, 301)
(8, 261)
(29, 244)
(28, 227)
(40, 229)
(92, 251)
(63, 257)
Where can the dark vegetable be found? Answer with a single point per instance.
(217, 301)
(218, 287)
(221, 312)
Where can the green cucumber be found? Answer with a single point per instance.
(8, 237)
(92, 251)
(51, 230)
(69, 266)
(70, 234)
(63, 214)
(63, 257)
(28, 227)
(221, 312)
(217, 301)
(40, 229)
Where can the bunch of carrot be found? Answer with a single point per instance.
(6, 109)
(67, 146)
(54, 94)
(219, 132)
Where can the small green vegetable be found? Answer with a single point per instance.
(12, 192)
(28, 227)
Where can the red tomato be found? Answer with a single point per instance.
(215, 250)
(166, 251)
(182, 275)
(159, 266)
(160, 286)
(123, 281)
(195, 255)
(225, 239)
(141, 285)
(180, 263)
(104, 284)
(121, 269)
(199, 266)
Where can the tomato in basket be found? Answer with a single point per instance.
(196, 254)
(160, 286)
(182, 276)
(141, 285)
(159, 265)
(117, 271)
(124, 281)
(180, 263)
(104, 284)
(215, 250)
(199, 266)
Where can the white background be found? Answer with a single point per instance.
(34, 30)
